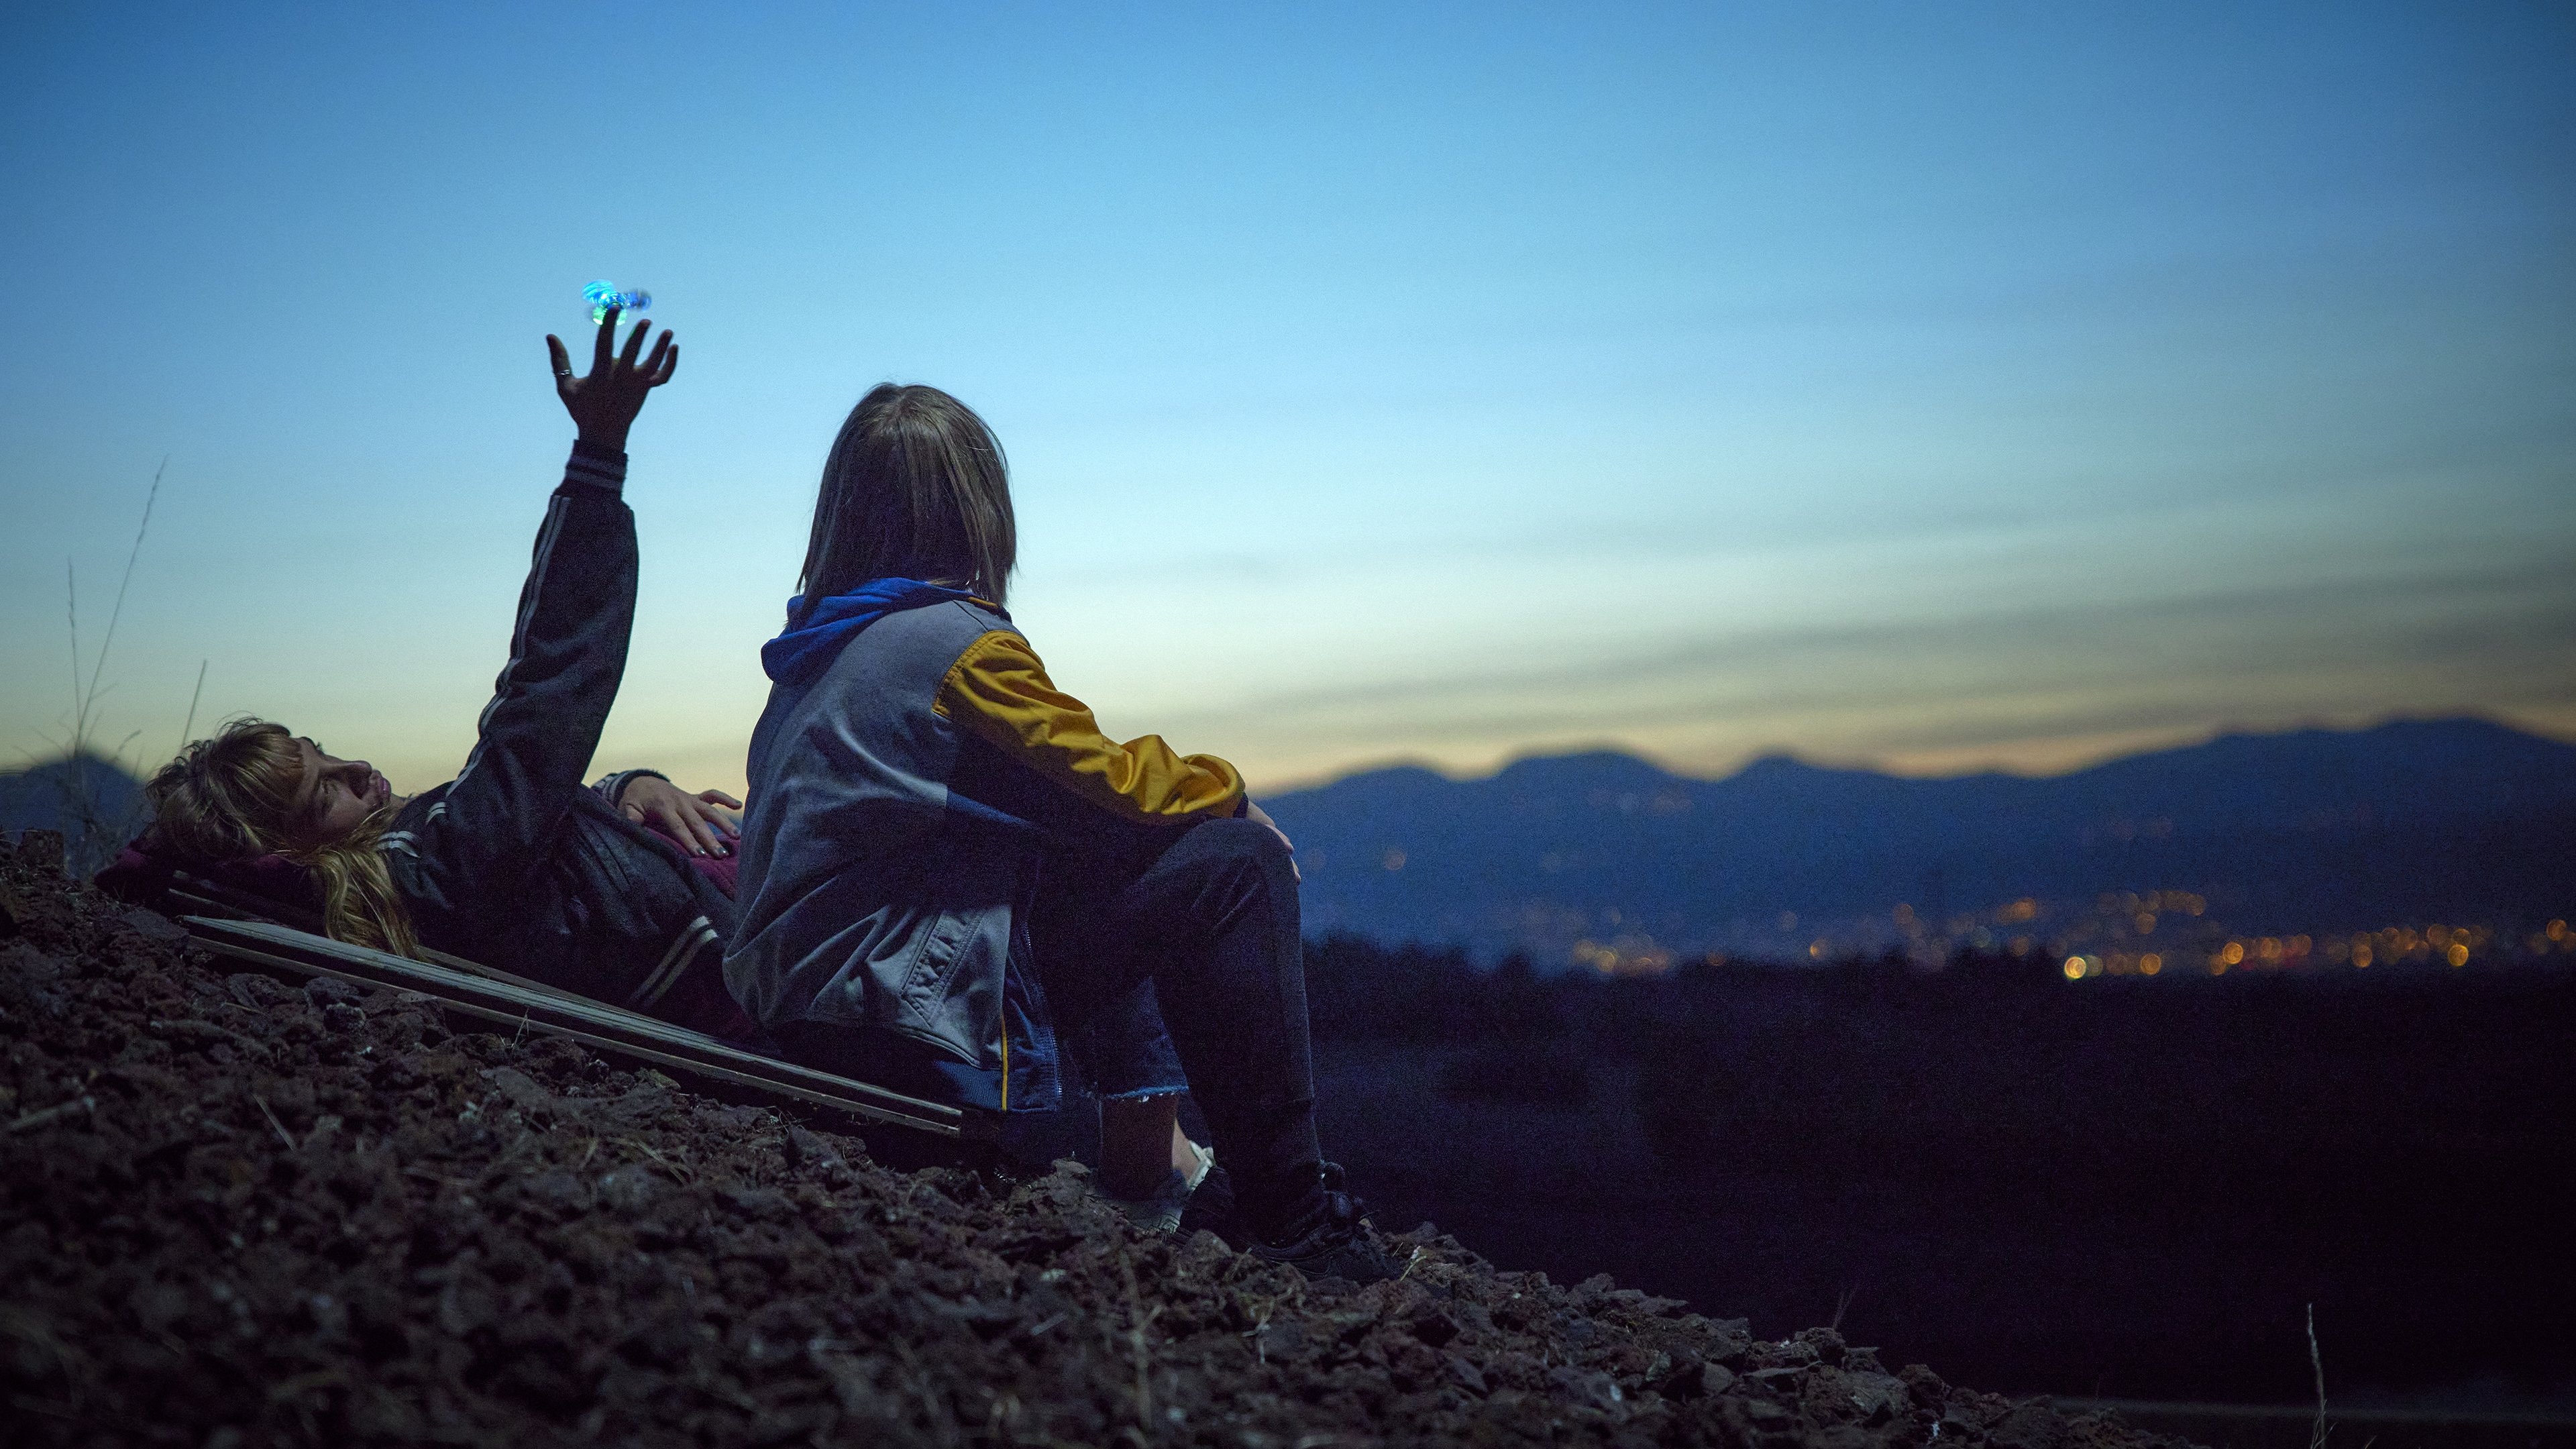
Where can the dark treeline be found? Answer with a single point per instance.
(1869, 1054)
(2166, 1169)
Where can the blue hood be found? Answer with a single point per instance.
(805, 651)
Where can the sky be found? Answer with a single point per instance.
(1934, 387)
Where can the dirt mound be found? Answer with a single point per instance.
(238, 1211)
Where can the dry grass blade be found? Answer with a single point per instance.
(189, 727)
(676, 1169)
(1842, 1305)
(117, 610)
(43, 1115)
(1137, 1318)
(91, 835)
(274, 1125)
(2316, 1361)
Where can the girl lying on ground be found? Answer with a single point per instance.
(613, 913)
(945, 863)
(618, 892)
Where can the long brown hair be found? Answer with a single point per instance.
(915, 487)
(232, 798)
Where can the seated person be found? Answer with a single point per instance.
(619, 892)
(946, 865)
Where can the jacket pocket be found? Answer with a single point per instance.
(925, 1009)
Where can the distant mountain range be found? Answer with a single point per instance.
(91, 800)
(2311, 830)
(57, 794)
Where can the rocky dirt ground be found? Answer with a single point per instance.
(235, 1210)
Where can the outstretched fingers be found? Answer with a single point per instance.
(694, 823)
(604, 402)
(703, 825)
(723, 826)
(600, 344)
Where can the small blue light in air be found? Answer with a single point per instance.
(602, 295)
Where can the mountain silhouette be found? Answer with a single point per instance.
(2309, 830)
(72, 795)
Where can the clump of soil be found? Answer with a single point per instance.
(235, 1210)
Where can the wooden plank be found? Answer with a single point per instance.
(540, 1008)
(189, 890)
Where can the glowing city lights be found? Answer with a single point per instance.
(1631, 956)
(2151, 934)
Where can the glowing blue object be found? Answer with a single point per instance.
(602, 295)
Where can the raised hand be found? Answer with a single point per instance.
(604, 404)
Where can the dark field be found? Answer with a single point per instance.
(320, 1215)
(2126, 1189)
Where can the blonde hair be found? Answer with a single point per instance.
(232, 798)
(915, 487)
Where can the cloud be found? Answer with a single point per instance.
(2050, 667)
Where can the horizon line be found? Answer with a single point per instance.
(2080, 759)
(2073, 754)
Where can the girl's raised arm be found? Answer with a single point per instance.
(568, 647)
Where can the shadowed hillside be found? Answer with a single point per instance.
(237, 1210)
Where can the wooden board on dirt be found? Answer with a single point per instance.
(509, 1001)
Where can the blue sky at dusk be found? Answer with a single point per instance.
(1927, 386)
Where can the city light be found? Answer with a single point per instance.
(2151, 934)
(1631, 956)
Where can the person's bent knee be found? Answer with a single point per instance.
(1247, 840)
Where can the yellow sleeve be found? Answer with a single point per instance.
(998, 689)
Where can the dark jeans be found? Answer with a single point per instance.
(1209, 914)
(1125, 1053)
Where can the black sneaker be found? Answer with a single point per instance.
(1339, 1245)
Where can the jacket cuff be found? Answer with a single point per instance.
(612, 786)
(596, 467)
